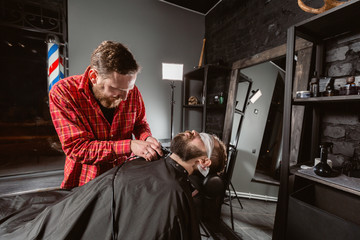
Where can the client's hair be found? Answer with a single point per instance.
(218, 156)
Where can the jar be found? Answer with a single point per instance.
(303, 94)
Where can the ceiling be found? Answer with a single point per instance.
(200, 6)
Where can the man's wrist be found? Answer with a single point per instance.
(122, 147)
(145, 136)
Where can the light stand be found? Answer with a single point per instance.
(173, 72)
(172, 85)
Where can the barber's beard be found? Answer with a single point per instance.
(108, 102)
(182, 147)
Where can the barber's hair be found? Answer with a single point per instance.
(218, 156)
(112, 56)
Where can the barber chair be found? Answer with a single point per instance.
(208, 202)
(211, 197)
(211, 190)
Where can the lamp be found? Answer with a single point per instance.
(256, 94)
(173, 72)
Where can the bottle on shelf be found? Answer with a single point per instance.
(314, 86)
(221, 98)
(322, 168)
(350, 87)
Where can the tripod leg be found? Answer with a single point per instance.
(236, 196)
(231, 211)
(207, 234)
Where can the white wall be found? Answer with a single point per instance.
(264, 78)
(155, 32)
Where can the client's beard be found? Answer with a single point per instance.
(181, 146)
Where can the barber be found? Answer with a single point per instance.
(96, 116)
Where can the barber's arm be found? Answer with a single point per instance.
(148, 147)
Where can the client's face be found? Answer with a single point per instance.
(188, 145)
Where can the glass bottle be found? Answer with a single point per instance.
(221, 98)
(314, 86)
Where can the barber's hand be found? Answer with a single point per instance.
(158, 146)
(146, 149)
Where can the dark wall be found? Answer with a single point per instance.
(238, 29)
(28, 141)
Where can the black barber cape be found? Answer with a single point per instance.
(152, 200)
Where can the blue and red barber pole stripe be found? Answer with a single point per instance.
(55, 65)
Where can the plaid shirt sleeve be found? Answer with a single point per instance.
(76, 134)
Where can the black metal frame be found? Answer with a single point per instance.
(232, 152)
(334, 22)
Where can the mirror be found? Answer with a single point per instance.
(257, 157)
(259, 141)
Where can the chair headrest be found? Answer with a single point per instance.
(210, 186)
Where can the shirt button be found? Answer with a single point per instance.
(177, 165)
(112, 135)
(184, 171)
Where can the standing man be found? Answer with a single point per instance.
(97, 114)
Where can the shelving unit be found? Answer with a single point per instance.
(316, 207)
(349, 98)
(205, 83)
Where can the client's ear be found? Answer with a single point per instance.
(206, 162)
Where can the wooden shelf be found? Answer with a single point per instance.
(216, 106)
(26, 124)
(344, 98)
(341, 182)
(201, 82)
(332, 23)
(193, 106)
(6, 139)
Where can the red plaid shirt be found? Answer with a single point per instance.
(93, 146)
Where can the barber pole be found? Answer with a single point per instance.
(55, 63)
(61, 67)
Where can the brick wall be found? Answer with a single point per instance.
(238, 29)
(343, 57)
(341, 124)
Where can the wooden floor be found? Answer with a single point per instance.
(30, 164)
(42, 181)
(254, 222)
(28, 174)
